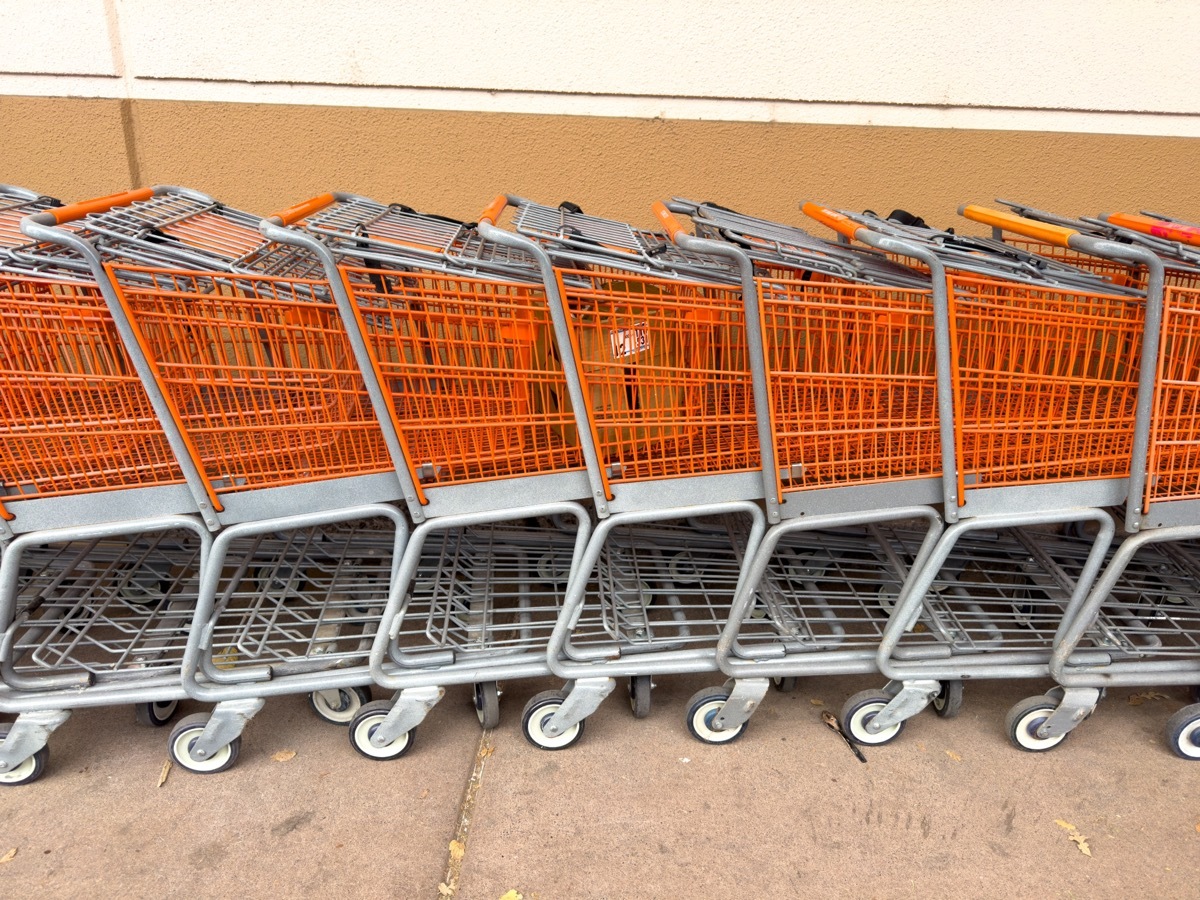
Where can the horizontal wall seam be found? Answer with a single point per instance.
(639, 106)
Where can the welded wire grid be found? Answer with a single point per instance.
(666, 371)
(1005, 590)
(663, 586)
(302, 600)
(13, 208)
(476, 385)
(1155, 604)
(491, 591)
(1045, 383)
(118, 608)
(1174, 452)
(852, 382)
(74, 416)
(260, 374)
(824, 591)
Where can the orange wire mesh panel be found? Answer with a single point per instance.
(74, 416)
(1174, 458)
(215, 233)
(259, 373)
(1045, 382)
(665, 367)
(852, 381)
(476, 390)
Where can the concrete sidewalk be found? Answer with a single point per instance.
(637, 809)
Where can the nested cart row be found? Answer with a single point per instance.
(354, 445)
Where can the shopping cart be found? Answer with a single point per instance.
(1152, 574)
(852, 376)
(1047, 398)
(254, 378)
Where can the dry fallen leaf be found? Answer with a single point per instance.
(1139, 699)
(1081, 842)
(1073, 835)
(284, 755)
(487, 751)
(424, 793)
(816, 702)
(1198, 826)
(921, 746)
(457, 850)
(512, 895)
(954, 756)
(166, 770)
(9, 856)
(445, 890)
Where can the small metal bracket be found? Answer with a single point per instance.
(743, 700)
(912, 697)
(228, 720)
(410, 709)
(583, 699)
(1075, 705)
(29, 734)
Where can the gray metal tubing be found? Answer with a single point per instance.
(1001, 664)
(1133, 672)
(70, 686)
(1148, 370)
(758, 360)
(257, 682)
(821, 662)
(666, 662)
(435, 671)
(41, 226)
(159, 689)
(562, 335)
(272, 230)
(942, 355)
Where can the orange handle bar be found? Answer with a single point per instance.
(73, 211)
(669, 222)
(304, 209)
(1171, 231)
(1039, 231)
(831, 219)
(492, 213)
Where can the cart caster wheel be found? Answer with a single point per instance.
(639, 696)
(339, 706)
(369, 717)
(703, 708)
(487, 703)
(1023, 721)
(785, 685)
(185, 734)
(1183, 732)
(948, 702)
(156, 714)
(538, 712)
(26, 772)
(861, 709)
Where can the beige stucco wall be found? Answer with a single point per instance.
(264, 157)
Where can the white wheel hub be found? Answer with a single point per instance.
(538, 721)
(181, 749)
(20, 773)
(362, 738)
(1025, 730)
(864, 714)
(1188, 742)
(702, 717)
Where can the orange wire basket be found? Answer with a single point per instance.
(1045, 382)
(852, 383)
(665, 367)
(1173, 462)
(76, 417)
(259, 374)
(475, 389)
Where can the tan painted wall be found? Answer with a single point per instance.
(264, 157)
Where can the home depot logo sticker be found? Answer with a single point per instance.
(629, 341)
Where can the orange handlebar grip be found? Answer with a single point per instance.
(831, 219)
(1039, 231)
(669, 222)
(304, 209)
(1171, 231)
(73, 211)
(492, 213)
